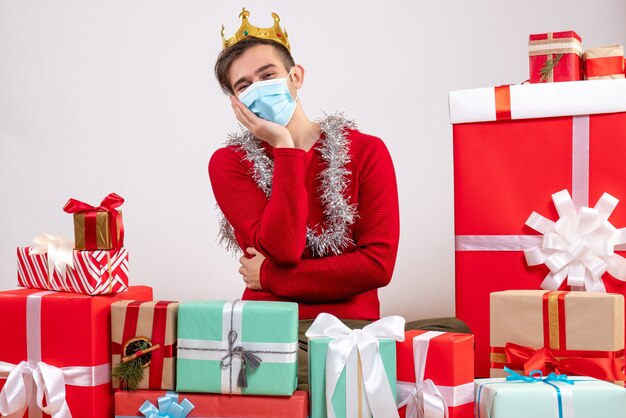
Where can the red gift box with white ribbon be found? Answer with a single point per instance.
(435, 373)
(514, 147)
(57, 344)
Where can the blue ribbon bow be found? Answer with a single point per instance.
(537, 376)
(532, 377)
(168, 407)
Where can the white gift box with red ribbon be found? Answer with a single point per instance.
(53, 264)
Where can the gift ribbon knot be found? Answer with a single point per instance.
(168, 407)
(248, 359)
(59, 250)
(579, 246)
(544, 360)
(422, 399)
(536, 376)
(25, 381)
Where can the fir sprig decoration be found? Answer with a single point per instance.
(547, 70)
(130, 370)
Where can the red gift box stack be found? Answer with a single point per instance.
(56, 263)
(514, 147)
(56, 357)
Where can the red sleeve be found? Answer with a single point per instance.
(376, 235)
(275, 226)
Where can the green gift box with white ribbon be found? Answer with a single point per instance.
(352, 373)
(240, 347)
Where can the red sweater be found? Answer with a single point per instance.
(344, 285)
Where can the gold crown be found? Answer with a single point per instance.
(275, 33)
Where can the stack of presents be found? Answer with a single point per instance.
(539, 280)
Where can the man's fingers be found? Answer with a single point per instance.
(246, 112)
(248, 118)
(239, 115)
(252, 251)
(242, 270)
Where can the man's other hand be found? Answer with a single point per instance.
(251, 268)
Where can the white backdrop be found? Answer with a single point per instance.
(102, 96)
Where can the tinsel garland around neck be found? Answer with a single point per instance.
(333, 148)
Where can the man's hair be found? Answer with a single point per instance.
(230, 54)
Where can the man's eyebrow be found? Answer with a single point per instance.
(259, 70)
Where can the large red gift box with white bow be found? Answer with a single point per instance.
(57, 343)
(514, 148)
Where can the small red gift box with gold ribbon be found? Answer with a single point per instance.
(145, 332)
(97, 227)
(555, 56)
(604, 63)
(573, 333)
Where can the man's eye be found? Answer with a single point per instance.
(242, 88)
(268, 75)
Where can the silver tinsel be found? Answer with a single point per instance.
(340, 214)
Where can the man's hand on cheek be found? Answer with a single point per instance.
(274, 134)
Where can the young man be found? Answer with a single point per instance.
(314, 204)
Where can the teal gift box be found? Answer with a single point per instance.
(362, 363)
(240, 347)
(584, 397)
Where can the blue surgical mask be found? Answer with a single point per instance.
(270, 100)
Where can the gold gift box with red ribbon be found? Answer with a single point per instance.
(153, 324)
(573, 333)
(604, 63)
(97, 228)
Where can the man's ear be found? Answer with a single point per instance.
(297, 75)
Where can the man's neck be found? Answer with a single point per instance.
(304, 132)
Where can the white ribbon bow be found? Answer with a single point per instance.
(345, 340)
(422, 399)
(579, 246)
(46, 381)
(60, 252)
(21, 384)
